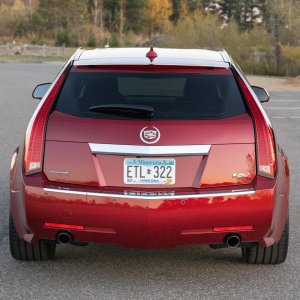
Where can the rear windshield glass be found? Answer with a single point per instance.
(172, 96)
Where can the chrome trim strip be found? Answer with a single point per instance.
(144, 197)
(150, 150)
(63, 173)
(65, 191)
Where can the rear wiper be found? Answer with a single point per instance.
(124, 109)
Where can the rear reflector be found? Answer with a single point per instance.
(35, 134)
(233, 228)
(64, 226)
(266, 157)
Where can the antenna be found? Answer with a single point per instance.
(151, 54)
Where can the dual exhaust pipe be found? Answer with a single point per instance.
(232, 240)
(64, 237)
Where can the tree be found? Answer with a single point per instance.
(197, 31)
(275, 19)
(69, 15)
(134, 15)
(122, 16)
(30, 5)
(12, 16)
(121, 22)
(246, 13)
(97, 12)
(91, 41)
(184, 9)
(157, 15)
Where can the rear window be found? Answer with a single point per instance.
(207, 95)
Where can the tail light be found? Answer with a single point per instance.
(266, 156)
(35, 134)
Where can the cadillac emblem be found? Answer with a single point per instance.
(150, 135)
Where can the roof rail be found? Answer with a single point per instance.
(226, 57)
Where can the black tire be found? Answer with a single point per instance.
(272, 255)
(21, 250)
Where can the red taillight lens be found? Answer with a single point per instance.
(233, 228)
(63, 226)
(35, 134)
(266, 157)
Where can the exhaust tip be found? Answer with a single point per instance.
(232, 240)
(64, 237)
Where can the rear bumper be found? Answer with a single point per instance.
(150, 220)
(143, 221)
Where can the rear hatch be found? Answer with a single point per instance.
(198, 134)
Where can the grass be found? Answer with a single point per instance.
(30, 58)
(34, 57)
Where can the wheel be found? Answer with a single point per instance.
(275, 254)
(21, 250)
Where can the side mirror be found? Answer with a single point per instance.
(261, 93)
(40, 90)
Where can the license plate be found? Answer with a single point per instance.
(149, 171)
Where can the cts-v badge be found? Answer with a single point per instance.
(240, 175)
(150, 135)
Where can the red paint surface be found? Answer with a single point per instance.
(232, 151)
(151, 223)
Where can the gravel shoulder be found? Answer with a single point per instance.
(275, 83)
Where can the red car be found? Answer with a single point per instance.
(150, 148)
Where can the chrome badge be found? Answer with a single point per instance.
(148, 194)
(240, 175)
(62, 173)
(150, 135)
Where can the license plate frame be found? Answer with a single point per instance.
(150, 171)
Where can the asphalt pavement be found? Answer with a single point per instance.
(111, 272)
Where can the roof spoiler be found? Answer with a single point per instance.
(226, 57)
(78, 53)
